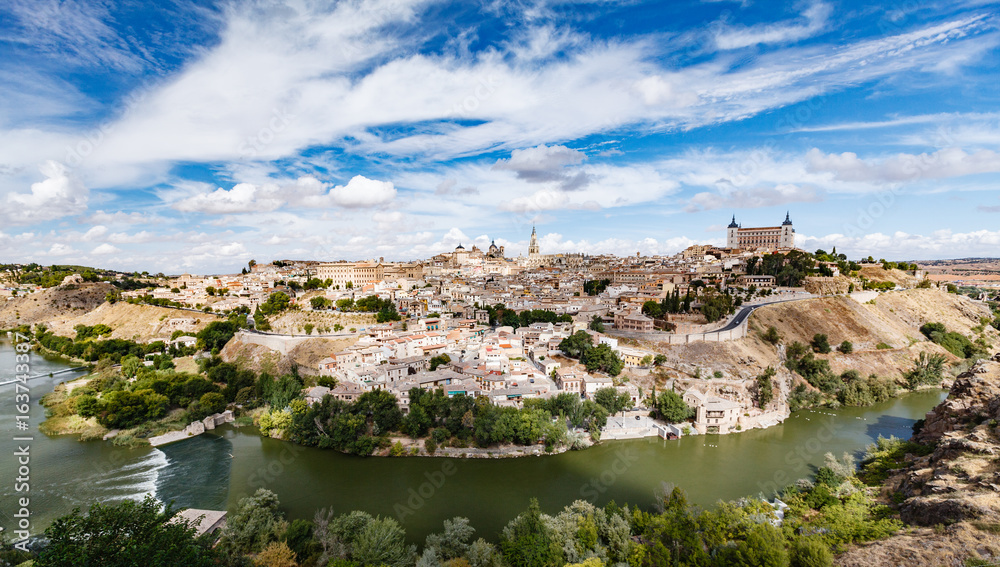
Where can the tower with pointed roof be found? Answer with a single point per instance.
(533, 244)
(732, 240)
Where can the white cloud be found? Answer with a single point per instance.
(59, 195)
(905, 246)
(120, 217)
(541, 160)
(59, 249)
(94, 233)
(242, 198)
(305, 192)
(388, 220)
(361, 192)
(948, 162)
(754, 197)
(735, 37)
(105, 249)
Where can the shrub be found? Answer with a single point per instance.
(820, 343)
(883, 346)
(771, 335)
(810, 552)
(846, 347)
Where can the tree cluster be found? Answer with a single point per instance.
(602, 358)
(824, 515)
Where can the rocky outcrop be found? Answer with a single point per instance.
(827, 285)
(952, 494)
(959, 480)
(974, 397)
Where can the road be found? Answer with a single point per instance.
(745, 312)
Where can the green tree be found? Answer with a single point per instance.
(256, 522)
(659, 360)
(528, 542)
(453, 542)
(672, 408)
(927, 369)
(575, 345)
(764, 387)
(612, 400)
(596, 324)
(123, 535)
(771, 335)
(846, 347)
(763, 547)
(652, 309)
(439, 360)
(276, 303)
(602, 358)
(130, 366)
(820, 343)
(213, 402)
(215, 336)
(383, 542)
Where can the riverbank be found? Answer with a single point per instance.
(214, 470)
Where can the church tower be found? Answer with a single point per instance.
(731, 234)
(787, 232)
(533, 244)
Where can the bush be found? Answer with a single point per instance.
(883, 346)
(771, 335)
(213, 402)
(810, 552)
(846, 347)
(430, 445)
(820, 344)
(926, 370)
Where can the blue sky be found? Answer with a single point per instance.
(193, 136)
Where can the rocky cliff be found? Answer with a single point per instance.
(951, 496)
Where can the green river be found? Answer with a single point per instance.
(215, 470)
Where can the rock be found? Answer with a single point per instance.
(934, 511)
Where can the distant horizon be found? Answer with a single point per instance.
(197, 136)
(271, 260)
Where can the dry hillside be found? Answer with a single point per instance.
(141, 323)
(879, 274)
(894, 319)
(57, 302)
(305, 356)
(294, 321)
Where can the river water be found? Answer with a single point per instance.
(215, 470)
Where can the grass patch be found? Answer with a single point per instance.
(88, 428)
(988, 527)
(886, 455)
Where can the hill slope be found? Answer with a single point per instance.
(61, 301)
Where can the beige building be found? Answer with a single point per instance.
(770, 237)
(358, 273)
(635, 321)
(712, 414)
